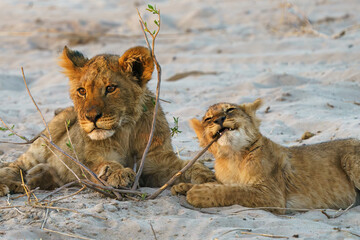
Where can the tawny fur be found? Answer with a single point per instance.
(253, 171)
(109, 128)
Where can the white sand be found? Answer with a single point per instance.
(257, 50)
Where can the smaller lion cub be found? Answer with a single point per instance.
(253, 171)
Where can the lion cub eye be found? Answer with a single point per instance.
(207, 119)
(110, 89)
(230, 110)
(82, 91)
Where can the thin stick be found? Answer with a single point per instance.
(68, 209)
(153, 231)
(337, 214)
(187, 166)
(22, 195)
(107, 194)
(9, 203)
(233, 230)
(14, 206)
(25, 187)
(152, 51)
(42, 116)
(66, 234)
(70, 195)
(58, 190)
(45, 218)
(264, 235)
(125, 191)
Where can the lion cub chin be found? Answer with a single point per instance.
(253, 171)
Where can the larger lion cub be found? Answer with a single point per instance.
(253, 171)
(109, 126)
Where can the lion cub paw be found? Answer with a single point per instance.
(4, 190)
(117, 177)
(181, 188)
(43, 176)
(201, 196)
(201, 174)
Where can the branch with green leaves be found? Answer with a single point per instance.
(153, 35)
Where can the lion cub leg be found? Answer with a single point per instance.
(219, 195)
(181, 188)
(115, 174)
(43, 176)
(351, 165)
(10, 180)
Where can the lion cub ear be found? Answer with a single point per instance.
(199, 130)
(139, 63)
(251, 108)
(72, 62)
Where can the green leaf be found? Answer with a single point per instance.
(153, 101)
(150, 7)
(143, 196)
(11, 134)
(154, 32)
(156, 22)
(68, 144)
(3, 129)
(23, 138)
(68, 122)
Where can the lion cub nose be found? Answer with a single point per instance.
(93, 116)
(220, 120)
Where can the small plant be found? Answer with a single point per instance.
(12, 133)
(175, 130)
(69, 145)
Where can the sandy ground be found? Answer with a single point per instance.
(240, 50)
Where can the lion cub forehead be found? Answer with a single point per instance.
(219, 108)
(103, 66)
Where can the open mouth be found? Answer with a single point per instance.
(222, 131)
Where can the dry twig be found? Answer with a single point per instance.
(66, 234)
(70, 195)
(69, 210)
(187, 166)
(58, 190)
(153, 231)
(264, 235)
(338, 214)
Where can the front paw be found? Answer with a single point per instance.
(181, 188)
(202, 196)
(4, 190)
(43, 176)
(117, 177)
(201, 174)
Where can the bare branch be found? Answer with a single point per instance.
(42, 116)
(184, 169)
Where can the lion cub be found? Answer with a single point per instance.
(253, 171)
(109, 126)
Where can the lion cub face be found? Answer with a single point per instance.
(107, 90)
(237, 125)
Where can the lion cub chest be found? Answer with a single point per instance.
(233, 171)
